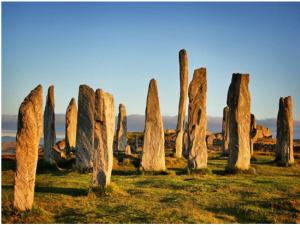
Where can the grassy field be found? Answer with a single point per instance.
(272, 195)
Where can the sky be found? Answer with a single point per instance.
(120, 46)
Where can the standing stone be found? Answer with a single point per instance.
(71, 126)
(239, 100)
(253, 133)
(225, 131)
(30, 128)
(136, 144)
(197, 120)
(184, 81)
(153, 154)
(49, 126)
(284, 146)
(185, 142)
(127, 150)
(104, 137)
(85, 128)
(122, 128)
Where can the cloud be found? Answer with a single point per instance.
(136, 122)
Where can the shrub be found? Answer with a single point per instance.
(202, 171)
(109, 190)
(236, 170)
(153, 172)
(283, 164)
(253, 158)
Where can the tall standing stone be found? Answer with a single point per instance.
(184, 80)
(30, 128)
(153, 154)
(122, 128)
(284, 146)
(104, 137)
(253, 133)
(85, 128)
(197, 120)
(49, 126)
(225, 131)
(71, 126)
(136, 144)
(239, 100)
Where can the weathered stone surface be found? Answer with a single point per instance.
(71, 126)
(284, 146)
(239, 101)
(210, 140)
(262, 131)
(185, 145)
(85, 128)
(104, 137)
(122, 128)
(184, 81)
(128, 150)
(225, 131)
(136, 144)
(49, 126)
(208, 133)
(253, 133)
(153, 153)
(219, 136)
(59, 151)
(197, 120)
(30, 127)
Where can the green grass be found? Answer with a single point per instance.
(271, 195)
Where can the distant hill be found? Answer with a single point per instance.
(13, 139)
(297, 141)
(8, 139)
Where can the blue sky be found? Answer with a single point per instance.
(119, 47)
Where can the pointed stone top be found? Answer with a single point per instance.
(37, 92)
(50, 95)
(121, 106)
(182, 52)
(72, 102)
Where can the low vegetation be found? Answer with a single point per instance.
(270, 194)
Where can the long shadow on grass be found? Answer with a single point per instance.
(7, 187)
(58, 190)
(71, 216)
(241, 212)
(124, 172)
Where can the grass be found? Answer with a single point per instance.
(271, 195)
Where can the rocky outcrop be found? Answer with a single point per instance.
(239, 101)
(284, 146)
(253, 133)
(49, 126)
(71, 126)
(225, 131)
(184, 80)
(29, 131)
(197, 120)
(262, 131)
(85, 128)
(104, 136)
(122, 128)
(153, 153)
(210, 140)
